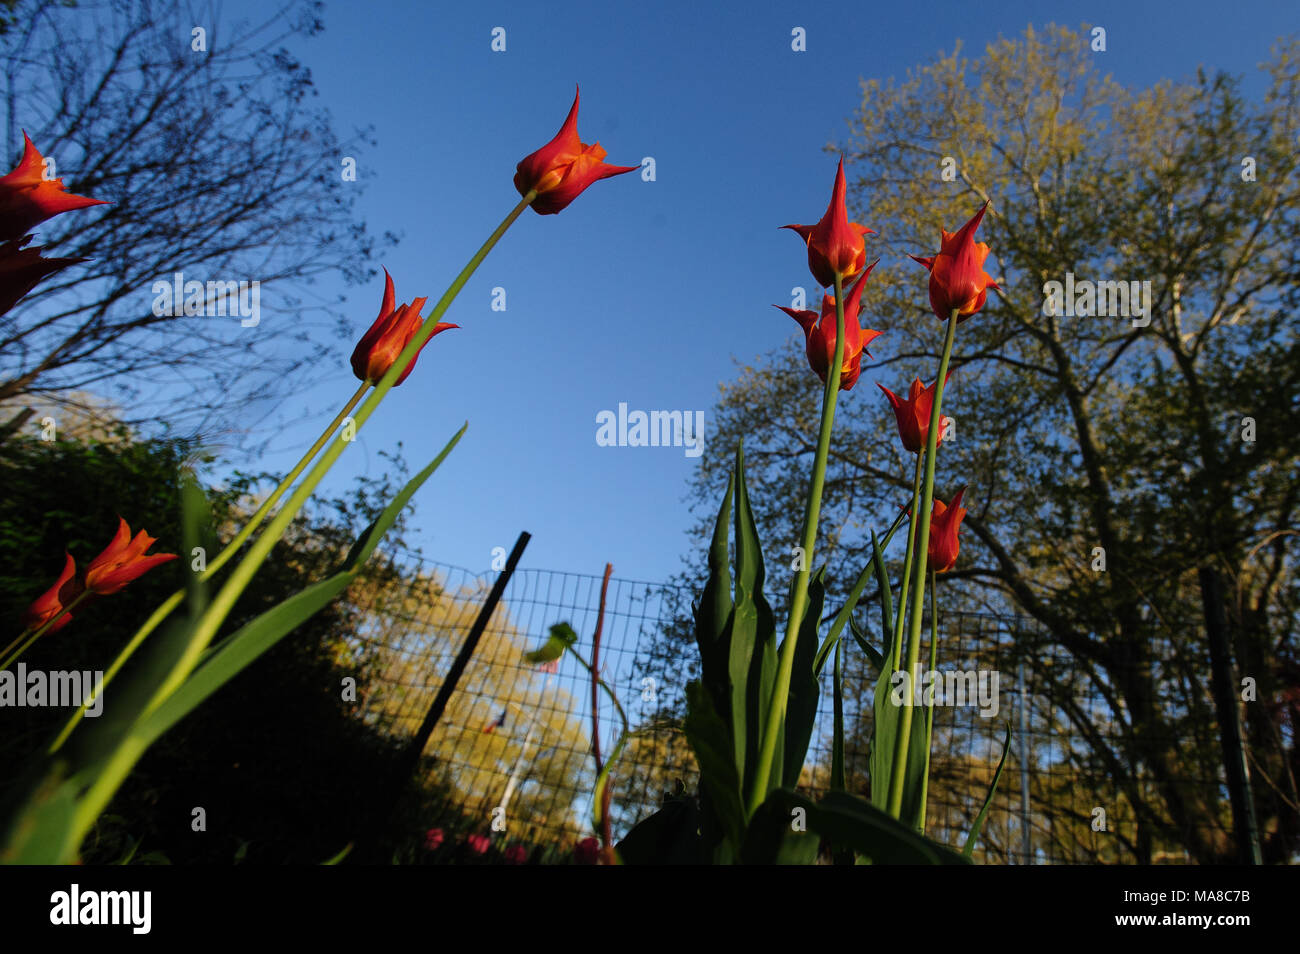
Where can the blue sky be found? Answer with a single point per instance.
(640, 292)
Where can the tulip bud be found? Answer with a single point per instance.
(835, 245)
(49, 604)
(819, 335)
(957, 277)
(391, 332)
(944, 524)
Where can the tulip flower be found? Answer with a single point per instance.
(391, 332)
(28, 199)
(945, 521)
(957, 277)
(433, 839)
(516, 854)
(563, 168)
(819, 334)
(835, 245)
(913, 414)
(478, 844)
(586, 852)
(52, 602)
(122, 561)
(21, 269)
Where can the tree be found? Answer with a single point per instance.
(1161, 450)
(204, 139)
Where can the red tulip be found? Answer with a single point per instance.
(820, 335)
(391, 332)
(26, 199)
(516, 854)
(944, 524)
(433, 839)
(914, 414)
(51, 603)
(835, 245)
(21, 269)
(478, 844)
(957, 277)
(122, 561)
(586, 852)
(563, 168)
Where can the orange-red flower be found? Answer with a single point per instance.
(563, 168)
(122, 561)
(27, 199)
(944, 524)
(52, 601)
(391, 332)
(820, 335)
(835, 245)
(957, 277)
(913, 414)
(21, 269)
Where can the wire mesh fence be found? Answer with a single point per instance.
(513, 750)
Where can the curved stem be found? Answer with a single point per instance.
(166, 608)
(799, 596)
(922, 522)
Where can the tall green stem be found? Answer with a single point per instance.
(799, 597)
(205, 628)
(922, 521)
(230, 549)
(929, 708)
(896, 648)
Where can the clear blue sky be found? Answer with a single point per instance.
(640, 292)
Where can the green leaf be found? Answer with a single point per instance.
(845, 615)
(886, 722)
(837, 624)
(775, 837)
(848, 821)
(997, 777)
(668, 837)
(562, 636)
(708, 739)
(886, 591)
(877, 658)
(713, 624)
(39, 832)
(337, 859)
(753, 662)
(196, 522)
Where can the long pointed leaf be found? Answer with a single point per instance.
(997, 777)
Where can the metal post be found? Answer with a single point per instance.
(1022, 704)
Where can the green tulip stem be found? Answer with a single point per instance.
(929, 708)
(799, 596)
(896, 646)
(921, 519)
